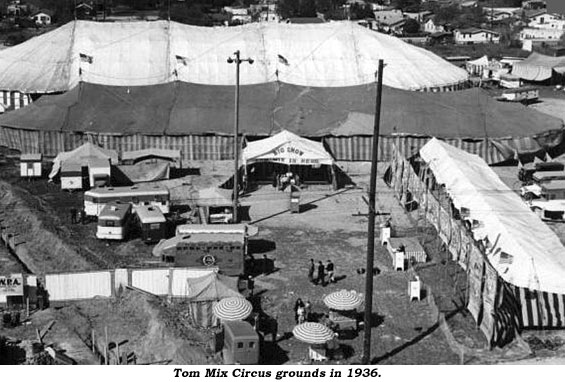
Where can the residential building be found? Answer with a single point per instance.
(388, 17)
(41, 18)
(499, 14)
(420, 17)
(16, 8)
(476, 36)
(534, 4)
(85, 11)
(238, 14)
(546, 20)
(541, 34)
(431, 27)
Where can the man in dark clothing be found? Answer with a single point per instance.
(321, 274)
(311, 270)
(330, 271)
(250, 285)
(73, 215)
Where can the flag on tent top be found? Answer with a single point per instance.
(86, 58)
(283, 60)
(181, 60)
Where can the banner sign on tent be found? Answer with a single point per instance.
(12, 285)
(475, 277)
(489, 296)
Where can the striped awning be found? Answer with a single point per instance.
(343, 300)
(233, 309)
(313, 333)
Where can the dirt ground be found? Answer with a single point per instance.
(331, 225)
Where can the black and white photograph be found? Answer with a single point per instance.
(282, 189)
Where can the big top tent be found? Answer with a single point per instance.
(331, 54)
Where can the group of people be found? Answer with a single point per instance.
(282, 181)
(302, 311)
(323, 271)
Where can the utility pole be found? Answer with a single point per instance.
(371, 226)
(237, 60)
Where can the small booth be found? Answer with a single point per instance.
(308, 162)
(405, 251)
(215, 205)
(30, 165)
(99, 172)
(71, 176)
(415, 288)
(294, 199)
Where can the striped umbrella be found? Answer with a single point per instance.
(233, 309)
(343, 300)
(313, 333)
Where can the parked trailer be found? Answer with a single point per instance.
(138, 195)
(534, 190)
(551, 205)
(114, 221)
(521, 94)
(227, 251)
(152, 223)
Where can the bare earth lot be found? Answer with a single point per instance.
(329, 227)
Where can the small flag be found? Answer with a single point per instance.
(86, 58)
(283, 60)
(182, 60)
(505, 258)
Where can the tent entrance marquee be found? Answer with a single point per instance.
(264, 159)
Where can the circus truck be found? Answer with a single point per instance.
(208, 245)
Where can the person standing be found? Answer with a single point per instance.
(321, 274)
(73, 215)
(298, 305)
(250, 285)
(311, 269)
(330, 270)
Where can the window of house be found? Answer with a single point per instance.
(240, 345)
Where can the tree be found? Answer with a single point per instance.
(289, 8)
(409, 5)
(411, 26)
(358, 12)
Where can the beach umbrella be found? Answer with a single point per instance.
(233, 309)
(343, 300)
(313, 333)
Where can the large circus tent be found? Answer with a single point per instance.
(132, 86)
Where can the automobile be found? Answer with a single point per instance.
(534, 190)
(551, 204)
(527, 171)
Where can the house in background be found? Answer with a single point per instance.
(239, 15)
(85, 11)
(16, 8)
(388, 17)
(471, 36)
(431, 27)
(546, 20)
(41, 17)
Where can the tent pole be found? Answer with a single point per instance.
(237, 60)
(371, 226)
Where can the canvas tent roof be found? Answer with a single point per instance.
(537, 256)
(538, 67)
(213, 196)
(82, 156)
(148, 53)
(211, 287)
(173, 155)
(287, 148)
(482, 61)
(181, 109)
